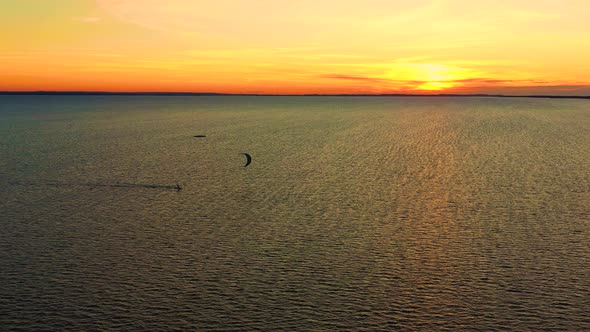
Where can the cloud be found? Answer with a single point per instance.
(466, 81)
(353, 78)
(90, 19)
(483, 80)
(494, 81)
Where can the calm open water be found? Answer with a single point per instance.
(423, 214)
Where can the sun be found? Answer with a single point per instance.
(435, 86)
(435, 76)
(428, 76)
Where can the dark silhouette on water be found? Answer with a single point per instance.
(199, 136)
(248, 159)
(92, 185)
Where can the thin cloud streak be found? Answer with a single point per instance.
(88, 19)
(465, 81)
(354, 78)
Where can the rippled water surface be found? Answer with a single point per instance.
(356, 213)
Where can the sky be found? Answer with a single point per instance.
(297, 46)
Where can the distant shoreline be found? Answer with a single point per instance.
(106, 93)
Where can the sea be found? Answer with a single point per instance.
(355, 213)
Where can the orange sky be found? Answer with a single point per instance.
(303, 46)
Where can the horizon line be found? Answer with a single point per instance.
(172, 93)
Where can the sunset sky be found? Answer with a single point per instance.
(297, 46)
